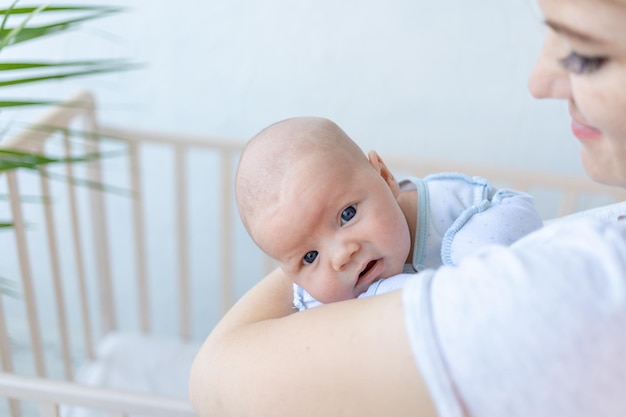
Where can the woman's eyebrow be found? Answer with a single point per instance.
(573, 33)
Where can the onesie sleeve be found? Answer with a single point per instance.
(534, 329)
(501, 218)
(302, 300)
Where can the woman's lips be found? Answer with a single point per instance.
(583, 131)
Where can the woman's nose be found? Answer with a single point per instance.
(548, 78)
(343, 253)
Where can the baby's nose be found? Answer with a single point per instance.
(342, 254)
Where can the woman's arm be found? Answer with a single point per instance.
(350, 359)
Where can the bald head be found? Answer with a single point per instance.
(269, 156)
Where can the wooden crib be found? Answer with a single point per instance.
(125, 262)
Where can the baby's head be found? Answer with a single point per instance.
(311, 199)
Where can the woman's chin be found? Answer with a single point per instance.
(603, 173)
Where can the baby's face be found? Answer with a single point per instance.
(335, 229)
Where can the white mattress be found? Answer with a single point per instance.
(139, 363)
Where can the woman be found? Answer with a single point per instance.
(531, 330)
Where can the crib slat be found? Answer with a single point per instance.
(569, 201)
(101, 244)
(78, 252)
(98, 221)
(6, 358)
(227, 231)
(14, 408)
(48, 410)
(140, 251)
(183, 261)
(56, 273)
(27, 281)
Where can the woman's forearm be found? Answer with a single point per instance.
(267, 300)
(271, 298)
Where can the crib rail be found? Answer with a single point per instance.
(555, 194)
(51, 396)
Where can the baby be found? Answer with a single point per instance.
(338, 223)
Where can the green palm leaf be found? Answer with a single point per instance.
(8, 36)
(105, 68)
(8, 287)
(23, 73)
(48, 8)
(21, 33)
(13, 159)
(17, 66)
(22, 103)
(41, 71)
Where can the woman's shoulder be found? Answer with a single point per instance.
(610, 213)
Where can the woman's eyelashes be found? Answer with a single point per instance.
(581, 64)
(348, 214)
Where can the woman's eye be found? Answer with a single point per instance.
(580, 64)
(347, 214)
(310, 257)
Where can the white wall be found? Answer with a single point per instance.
(442, 79)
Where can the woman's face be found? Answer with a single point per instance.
(584, 61)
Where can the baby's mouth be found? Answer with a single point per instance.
(372, 272)
(369, 266)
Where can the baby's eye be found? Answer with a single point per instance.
(580, 64)
(310, 257)
(347, 214)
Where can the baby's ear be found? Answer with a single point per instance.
(377, 162)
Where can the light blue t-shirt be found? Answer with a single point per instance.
(536, 329)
